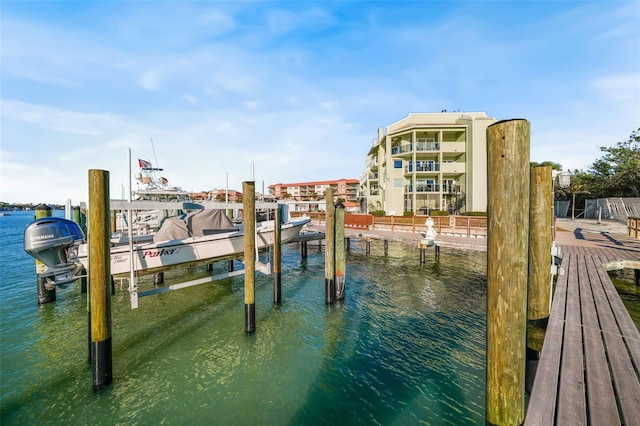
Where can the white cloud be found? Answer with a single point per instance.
(621, 87)
(300, 89)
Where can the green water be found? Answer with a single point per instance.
(624, 282)
(406, 346)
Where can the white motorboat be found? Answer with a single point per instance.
(203, 236)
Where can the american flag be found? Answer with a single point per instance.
(144, 164)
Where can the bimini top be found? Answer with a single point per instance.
(194, 224)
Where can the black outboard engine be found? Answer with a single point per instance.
(54, 242)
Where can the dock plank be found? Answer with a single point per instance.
(542, 404)
(600, 394)
(571, 396)
(589, 368)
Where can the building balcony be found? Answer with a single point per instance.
(373, 176)
(435, 187)
(427, 146)
(453, 168)
(374, 192)
(453, 147)
(400, 150)
(423, 168)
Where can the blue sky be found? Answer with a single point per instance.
(297, 88)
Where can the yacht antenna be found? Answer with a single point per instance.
(155, 157)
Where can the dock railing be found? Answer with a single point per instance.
(461, 226)
(633, 223)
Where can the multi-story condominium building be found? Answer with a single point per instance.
(428, 161)
(345, 189)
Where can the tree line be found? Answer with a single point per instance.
(615, 174)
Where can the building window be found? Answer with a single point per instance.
(397, 183)
(397, 164)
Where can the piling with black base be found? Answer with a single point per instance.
(277, 257)
(329, 251)
(340, 253)
(249, 219)
(46, 289)
(100, 279)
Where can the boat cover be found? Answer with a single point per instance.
(194, 224)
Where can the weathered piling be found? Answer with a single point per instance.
(100, 279)
(340, 265)
(158, 278)
(277, 257)
(249, 220)
(329, 250)
(46, 292)
(540, 239)
(507, 256)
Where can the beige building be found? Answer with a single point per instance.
(344, 189)
(434, 161)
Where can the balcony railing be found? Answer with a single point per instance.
(423, 188)
(401, 149)
(427, 146)
(374, 192)
(373, 176)
(423, 167)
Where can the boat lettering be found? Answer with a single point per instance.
(118, 259)
(41, 237)
(161, 252)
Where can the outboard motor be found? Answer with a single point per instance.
(54, 242)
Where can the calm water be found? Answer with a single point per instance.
(407, 346)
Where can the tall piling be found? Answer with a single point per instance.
(507, 257)
(46, 292)
(277, 256)
(340, 253)
(540, 239)
(100, 279)
(249, 220)
(329, 250)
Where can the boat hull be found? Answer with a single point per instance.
(152, 257)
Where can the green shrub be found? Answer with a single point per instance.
(377, 212)
(474, 213)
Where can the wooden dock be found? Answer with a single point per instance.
(589, 368)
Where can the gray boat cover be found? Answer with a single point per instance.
(194, 224)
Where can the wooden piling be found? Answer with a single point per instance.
(158, 278)
(329, 250)
(303, 249)
(277, 257)
(422, 255)
(340, 265)
(100, 279)
(386, 246)
(249, 220)
(46, 292)
(540, 239)
(507, 257)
